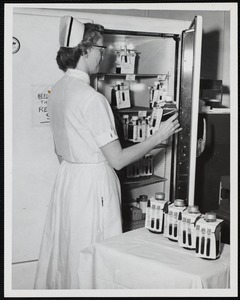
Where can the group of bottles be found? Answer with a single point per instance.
(142, 167)
(186, 225)
(139, 128)
(120, 95)
(125, 61)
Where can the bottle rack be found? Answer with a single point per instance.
(131, 183)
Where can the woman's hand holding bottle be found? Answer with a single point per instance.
(169, 127)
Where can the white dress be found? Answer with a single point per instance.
(85, 202)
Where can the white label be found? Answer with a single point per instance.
(142, 113)
(131, 77)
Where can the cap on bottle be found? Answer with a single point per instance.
(193, 209)
(179, 202)
(135, 118)
(210, 217)
(159, 196)
(143, 198)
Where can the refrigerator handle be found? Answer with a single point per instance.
(201, 143)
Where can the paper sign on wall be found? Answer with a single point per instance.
(40, 94)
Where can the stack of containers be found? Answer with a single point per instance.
(187, 232)
(208, 236)
(173, 218)
(155, 213)
(186, 225)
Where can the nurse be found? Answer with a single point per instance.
(85, 202)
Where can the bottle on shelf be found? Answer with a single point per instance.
(125, 122)
(132, 129)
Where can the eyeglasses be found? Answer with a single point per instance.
(102, 48)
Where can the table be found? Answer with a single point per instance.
(140, 259)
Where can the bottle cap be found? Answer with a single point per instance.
(210, 217)
(179, 202)
(159, 196)
(143, 198)
(193, 209)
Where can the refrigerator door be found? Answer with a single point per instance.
(186, 145)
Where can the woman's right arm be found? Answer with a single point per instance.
(118, 157)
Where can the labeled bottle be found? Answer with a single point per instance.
(125, 54)
(151, 92)
(208, 242)
(122, 91)
(148, 214)
(197, 238)
(184, 234)
(211, 217)
(153, 216)
(189, 232)
(132, 129)
(174, 219)
(143, 203)
(202, 247)
(144, 129)
(125, 121)
(140, 132)
(155, 93)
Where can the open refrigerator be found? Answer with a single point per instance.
(173, 60)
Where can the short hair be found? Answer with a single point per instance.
(69, 57)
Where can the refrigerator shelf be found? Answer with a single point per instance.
(133, 76)
(126, 144)
(130, 183)
(132, 110)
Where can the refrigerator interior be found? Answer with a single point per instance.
(156, 55)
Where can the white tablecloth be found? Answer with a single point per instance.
(140, 259)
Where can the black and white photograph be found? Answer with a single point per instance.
(121, 138)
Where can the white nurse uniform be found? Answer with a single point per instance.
(85, 202)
